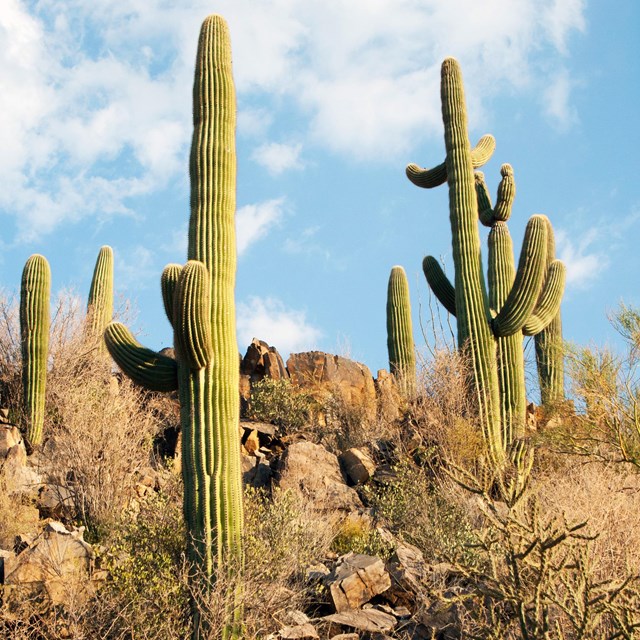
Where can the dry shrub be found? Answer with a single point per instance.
(16, 516)
(99, 426)
(444, 413)
(10, 357)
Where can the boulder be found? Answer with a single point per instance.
(314, 473)
(54, 568)
(356, 579)
(10, 437)
(262, 361)
(323, 374)
(357, 465)
(370, 620)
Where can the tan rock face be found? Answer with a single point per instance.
(262, 361)
(356, 579)
(314, 473)
(357, 465)
(57, 564)
(322, 373)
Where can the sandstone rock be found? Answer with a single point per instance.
(262, 361)
(304, 631)
(314, 473)
(19, 477)
(251, 442)
(356, 579)
(357, 465)
(364, 620)
(346, 636)
(408, 568)
(10, 437)
(322, 374)
(55, 568)
(389, 398)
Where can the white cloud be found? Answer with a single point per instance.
(253, 221)
(268, 319)
(557, 100)
(89, 87)
(276, 157)
(584, 264)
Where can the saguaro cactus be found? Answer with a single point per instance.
(478, 325)
(402, 357)
(34, 331)
(100, 302)
(199, 301)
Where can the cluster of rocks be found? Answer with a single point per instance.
(369, 597)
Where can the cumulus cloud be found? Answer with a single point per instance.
(584, 263)
(270, 320)
(253, 221)
(91, 90)
(276, 157)
(558, 100)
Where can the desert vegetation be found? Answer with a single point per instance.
(136, 502)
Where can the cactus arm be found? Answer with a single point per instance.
(549, 345)
(145, 367)
(528, 280)
(402, 357)
(100, 302)
(548, 304)
(192, 330)
(168, 283)
(506, 194)
(440, 284)
(510, 355)
(429, 178)
(485, 208)
(34, 330)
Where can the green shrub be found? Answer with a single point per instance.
(423, 514)
(280, 403)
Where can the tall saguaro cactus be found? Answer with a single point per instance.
(100, 302)
(34, 330)
(402, 357)
(199, 301)
(479, 326)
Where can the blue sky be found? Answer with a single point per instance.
(334, 99)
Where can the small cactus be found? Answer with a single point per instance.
(34, 332)
(402, 357)
(100, 302)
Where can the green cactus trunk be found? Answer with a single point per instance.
(100, 302)
(200, 304)
(550, 348)
(34, 331)
(212, 241)
(402, 357)
(471, 302)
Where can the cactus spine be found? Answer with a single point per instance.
(100, 302)
(402, 357)
(479, 326)
(199, 301)
(34, 331)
